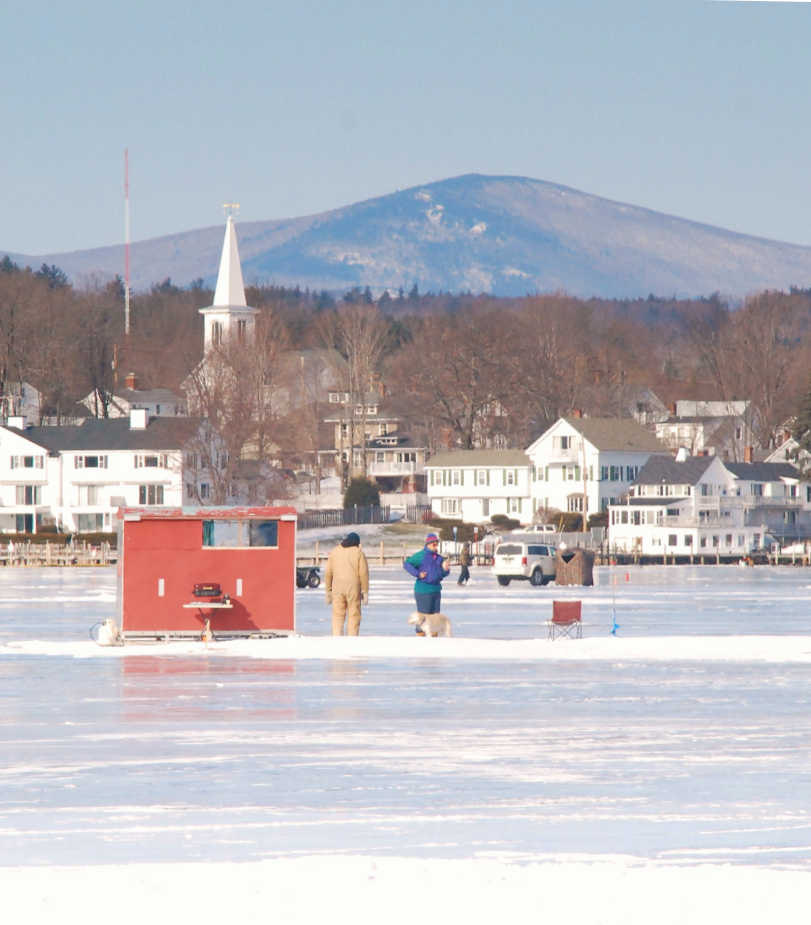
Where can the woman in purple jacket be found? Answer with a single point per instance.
(429, 568)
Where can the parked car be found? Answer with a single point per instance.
(537, 528)
(530, 561)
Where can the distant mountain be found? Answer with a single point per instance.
(505, 235)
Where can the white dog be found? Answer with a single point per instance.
(431, 624)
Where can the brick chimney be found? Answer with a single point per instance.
(748, 453)
(578, 412)
(132, 382)
(674, 410)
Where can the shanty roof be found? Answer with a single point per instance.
(618, 435)
(458, 459)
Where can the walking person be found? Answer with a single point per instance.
(430, 569)
(346, 582)
(464, 561)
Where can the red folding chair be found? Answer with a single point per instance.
(565, 620)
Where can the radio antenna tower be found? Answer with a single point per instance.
(127, 248)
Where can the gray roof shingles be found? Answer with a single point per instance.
(112, 434)
(618, 435)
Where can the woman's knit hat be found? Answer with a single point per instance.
(431, 538)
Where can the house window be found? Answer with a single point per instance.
(715, 542)
(27, 462)
(791, 491)
(150, 494)
(728, 539)
(380, 457)
(574, 504)
(615, 473)
(189, 491)
(450, 506)
(741, 539)
(334, 398)
(89, 495)
(672, 539)
(29, 494)
(216, 333)
(757, 490)
(688, 539)
(481, 478)
(513, 505)
(242, 332)
(90, 462)
(510, 477)
(191, 460)
(144, 461)
(204, 492)
(703, 542)
(456, 477)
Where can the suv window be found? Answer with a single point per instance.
(537, 551)
(505, 549)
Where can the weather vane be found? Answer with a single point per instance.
(230, 206)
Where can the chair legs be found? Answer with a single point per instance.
(573, 630)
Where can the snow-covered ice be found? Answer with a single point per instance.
(492, 774)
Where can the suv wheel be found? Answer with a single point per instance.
(503, 580)
(536, 578)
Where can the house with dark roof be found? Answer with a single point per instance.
(705, 506)
(588, 462)
(472, 485)
(76, 476)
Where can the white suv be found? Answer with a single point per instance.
(524, 561)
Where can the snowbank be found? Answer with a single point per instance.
(617, 891)
(651, 649)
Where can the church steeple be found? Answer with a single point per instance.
(229, 319)
(230, 289)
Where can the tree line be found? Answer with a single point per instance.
(465, 370)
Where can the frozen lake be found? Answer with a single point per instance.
(664, 746)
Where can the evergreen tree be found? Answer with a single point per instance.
(7, 265)
(414, 293)
(55, 277)
(361, 491)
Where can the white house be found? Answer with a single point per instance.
(595, 458)
(156, 402)
(472, 485)
(702, 505)
(722, 428)
(77, 476)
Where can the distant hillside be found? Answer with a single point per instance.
(505, 235)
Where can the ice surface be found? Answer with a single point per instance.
(683, 742)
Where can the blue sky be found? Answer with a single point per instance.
(699, 109)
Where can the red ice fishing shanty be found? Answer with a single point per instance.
(201, 573)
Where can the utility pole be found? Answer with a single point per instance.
(127, 251)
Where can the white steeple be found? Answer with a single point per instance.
(229, 319)
(230, 288)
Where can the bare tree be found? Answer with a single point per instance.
(359, 334)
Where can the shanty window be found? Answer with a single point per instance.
(240, 534)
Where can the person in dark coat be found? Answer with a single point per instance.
(464, 561)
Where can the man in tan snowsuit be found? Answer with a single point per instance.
(346, 582)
